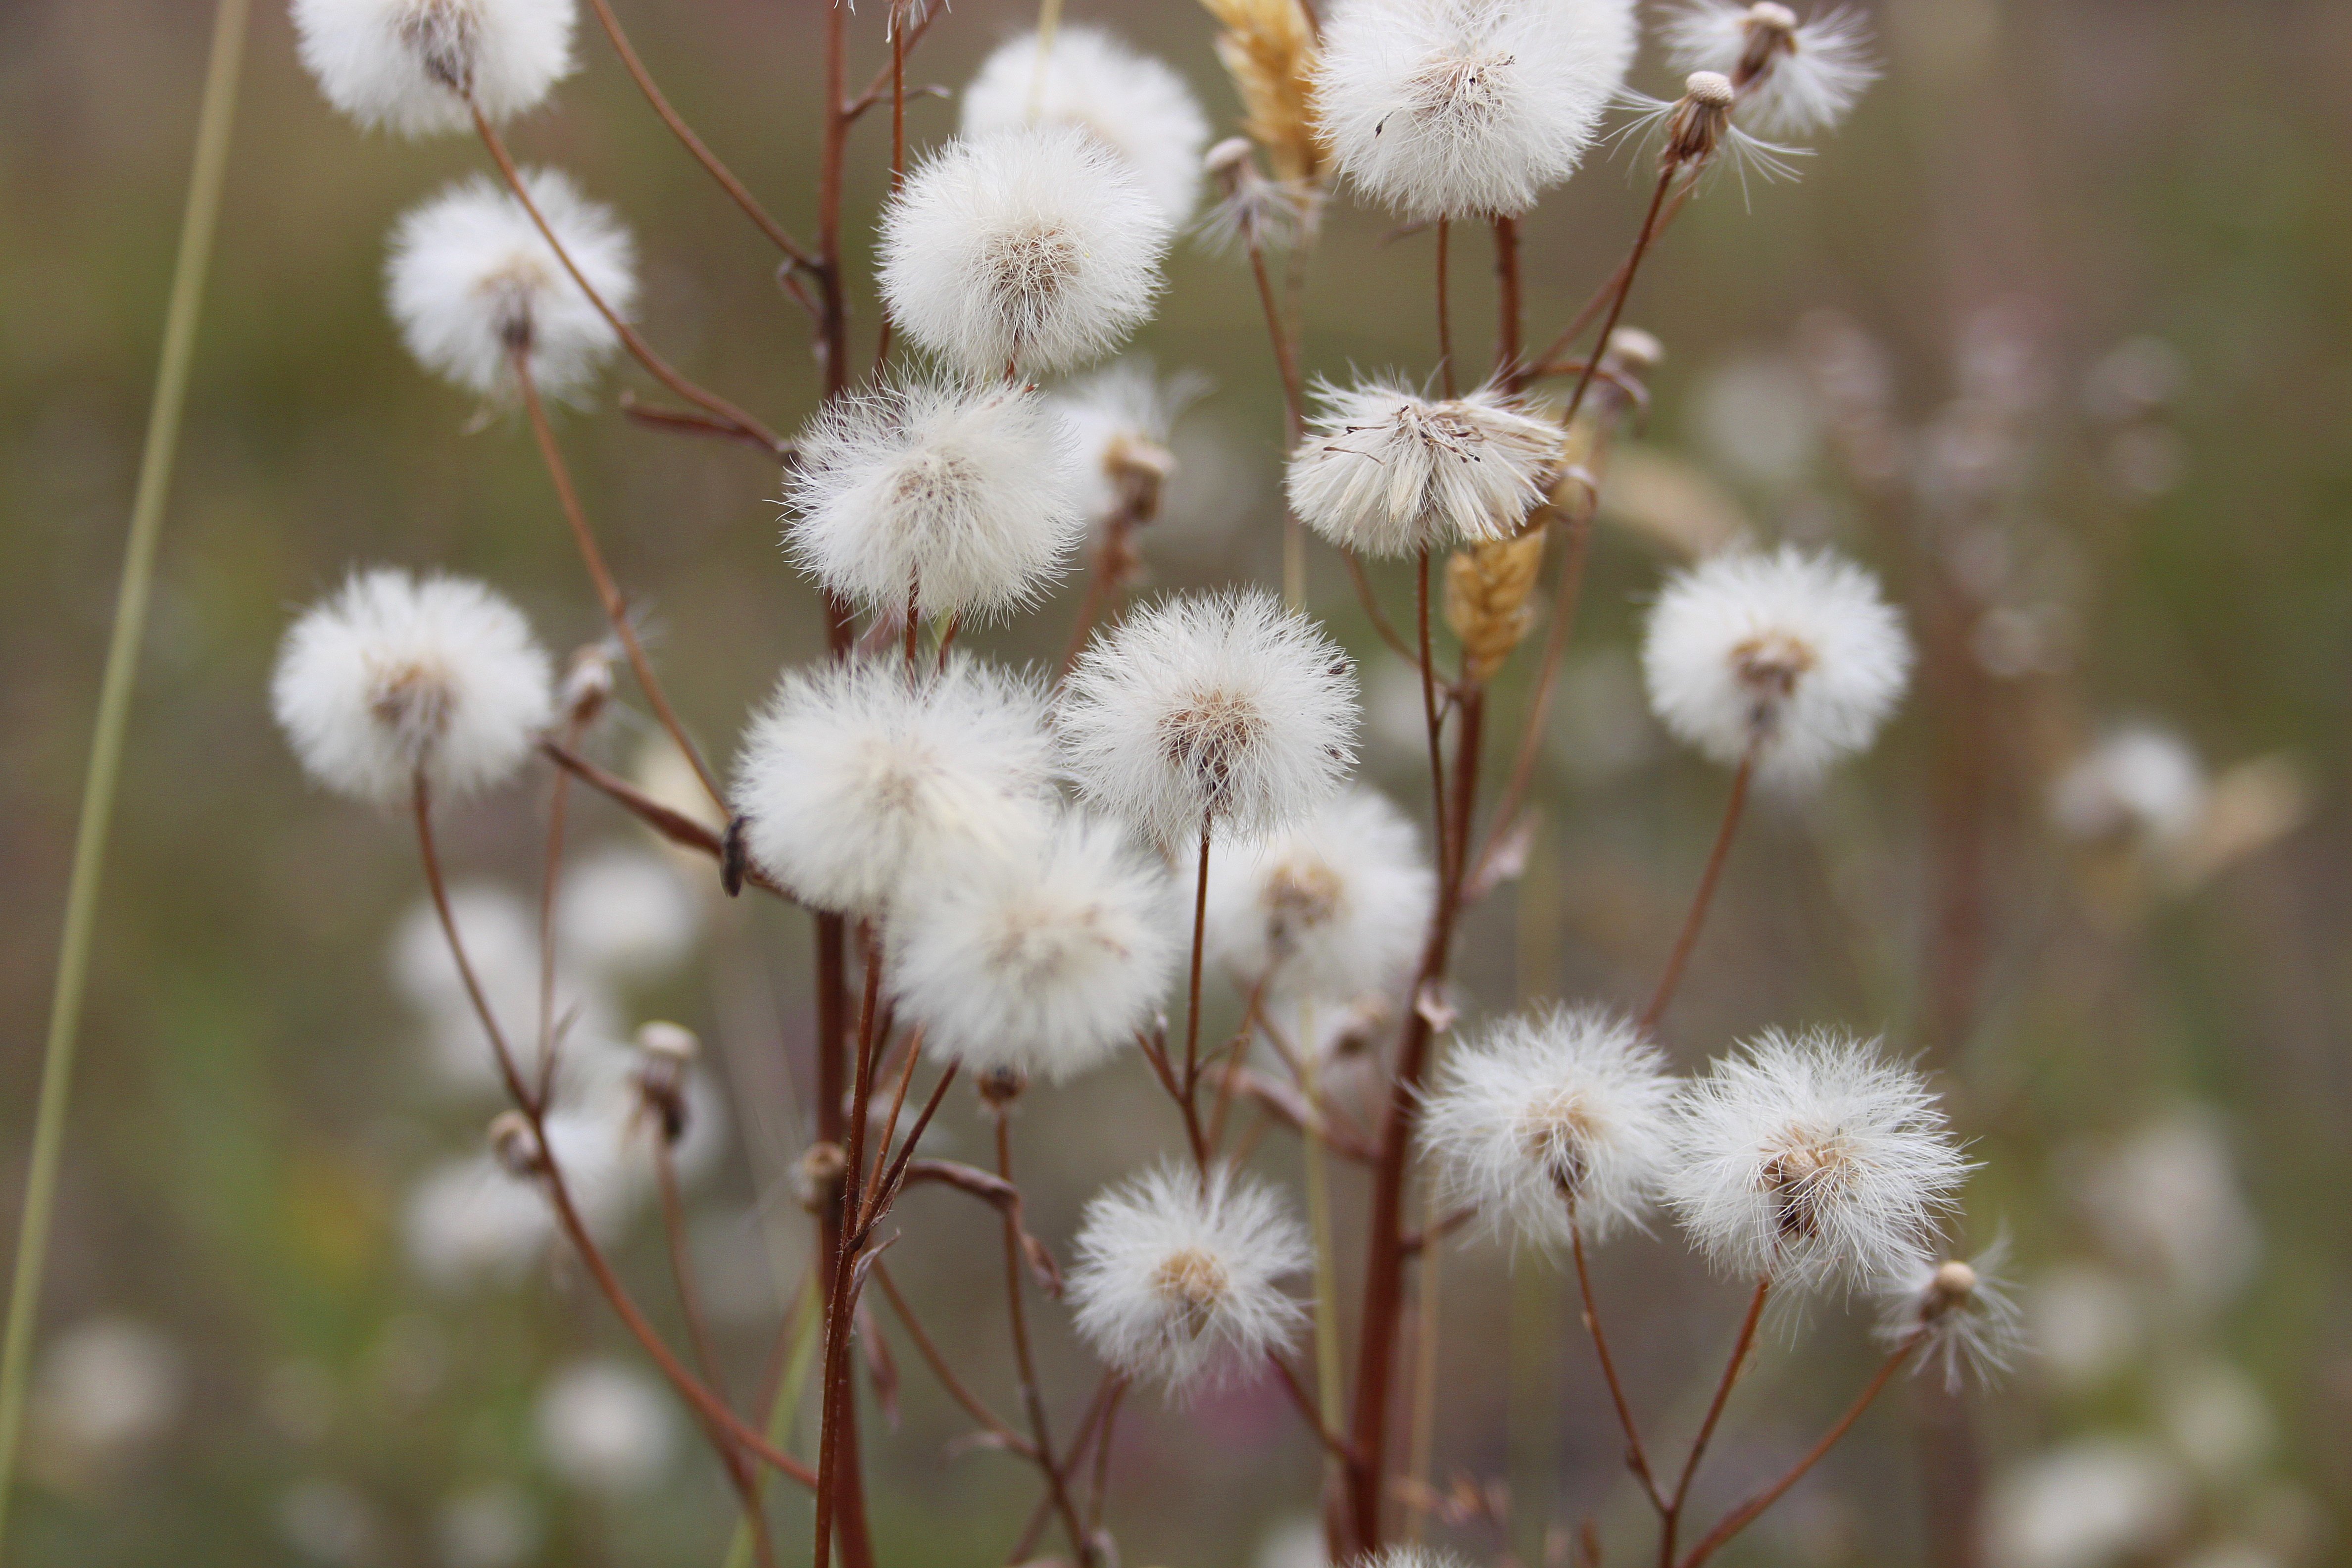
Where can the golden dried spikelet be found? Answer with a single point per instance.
(1268, 49)
(1487, 588)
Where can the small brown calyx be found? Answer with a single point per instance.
(1194, 1283)
(515, 1145)
(818, 1174)
(1139, 468)
(1231, 160)
(1804, 1178)
(1033, 266)
(1206, 736)
(668, 1052)
(1771, 31)
(1695, 127)
(415, 701)
(1556, 1131)
(1000, 1086)
(1770, 664)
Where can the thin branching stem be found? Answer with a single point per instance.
(1670, 1517)
(1700, 901)
(1025, 1363)
(1444, 309)
(1637, 1458)
(1641, 243)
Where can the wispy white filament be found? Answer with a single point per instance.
(968, 499)
(1812, 71)
(1384, 472)
(394, 676)
(1962, 1314)
(1131, 103)
(1035, 249)
(1331, 909)
(412, 66)
(1465, 107)
(471, 280)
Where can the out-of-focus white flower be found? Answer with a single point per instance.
(1793, 657)
(627, 915)
(394, 677)
(966, 499)
(859, 775)
(2167, 1204)
(1962, 1312)
(2083, 1324)
(1563, 1115)
(414, 67)
(1384, 472)
(1794, 78)
(1812, 1158)
(1043, 963)
(501, 937)
(490, 1527)
(1332, 908)
(2091, 1504)
(1131, 103)
(1294, 1542)
(330, 1523)
(1123, 419)
(465, 1220)
(1221, 709)
(605, 1427)
(2217, 1419)
(1181, 1283)
(1463, 108)
(2139, 779)
(1035, 248)
(104, 1388)
(471, 282)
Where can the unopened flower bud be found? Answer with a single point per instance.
(1636, 349)
(668, 1051)
(670, 1042)
(819, 1174)
(1695, 127)
(587, 684)
(1000, 1086)
(515, 1146)
(1954, 1283)
(1228, 158)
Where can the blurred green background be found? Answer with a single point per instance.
(2055, 333)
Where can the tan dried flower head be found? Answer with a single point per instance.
(1268, 49)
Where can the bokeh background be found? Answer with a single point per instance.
(2057, 333)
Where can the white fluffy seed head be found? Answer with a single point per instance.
(1449, 108)
(1035, 248)
(1181, 1285)
(1962, 1314)
(1794, 78)
(1563, 1113)
(858, 776)
(1042, 963)
(1221, 711)
(1122, 419)
(470, 280)
(1136, 107)
(1795, 656)
(412, 66)
(2139, 779)
(1813, 1159)
(1331, 909)
(967, 496)
(1384, 472)
(393, 676)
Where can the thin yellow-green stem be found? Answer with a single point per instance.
(206, 177)
(806, 1318)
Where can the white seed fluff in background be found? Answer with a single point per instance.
(968, 497)
(470, 280)
(1793, 654)
(1794, 78)
(858, 775)
(1131, 103)
(1181, 1285)
(1123, 417)
(395, 674)
(1035, 248)
(1383, 472)
(1042, 963)
(1447, 108)
(1332, 908)
(2138, 778)
(1221, 708)
(412, 66)
(1563, 1112)
(1962, 1313)
(1812, 1158)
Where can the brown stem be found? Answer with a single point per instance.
(1641, 243)
(1372, 611)
(608, 593)
(928, 1349)
(1445, 311)
(1595, 305)
(643, 352)
(1099, 1488)
(687, 422)
(674, 825)
(1286, 358)
(865, 1212)
(840, 1382)
(1684, 944)
(898, 155)
(1731, 1370)
(1193, 989)
(896, 1177)
(693, 143)
(874, 89)
(1741, 1517)
(1429, 712)
(1305, 1402)
(1025, 1363)
(1575, 533)
(551, 878)
(1106, 1398)
(1637, 1459)
(1507, 308)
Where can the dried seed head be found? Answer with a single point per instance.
(1696, 128)
(515, 1146)
(587, 685)
(1268, 48)
(1804, 1176)
(1954, 1282)
(1000, 1085)
(1958, 1314)
(1487, 591)
(668, 1042)
(819, 1174)
(1195, 1283)
(417, 67)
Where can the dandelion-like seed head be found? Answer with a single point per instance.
(394, 677)
(1215, 710)
(1042, 964)
(1331, 909)
(965, 498)
(1034, 247)
(1122, 419)
(1178, 1279)
(1812, 1159)
(861, 773)
(473, 283)
(1794, 76)
(1137, 107)
(1448, 109)
(1556, 1118)
(1384, 472)
(1793, 657)
(1962, 1315)
(1252, 212)
(419, 67)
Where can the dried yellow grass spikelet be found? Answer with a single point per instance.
(1487, 588)
(1268, 49)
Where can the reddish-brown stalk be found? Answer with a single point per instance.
(1025, 1363)
(1637, 1458)
(1507, 299)
(1548, 362)
(838, 1383)
(1445, 311)
(559, 797)
(1641, 243)
(1193, 989)
(608, 593)
(1441, 836)
(1671, 1518)
(1705, 896)
(926, 1347)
